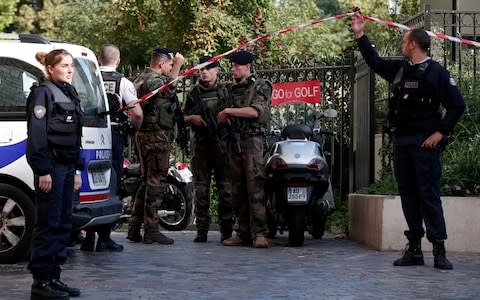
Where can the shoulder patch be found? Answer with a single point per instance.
(452, 81)
(39, 111)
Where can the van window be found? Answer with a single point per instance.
(88, 84)
(16, 78)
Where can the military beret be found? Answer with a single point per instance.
(242, 58)
(164, 51)
(206, 58)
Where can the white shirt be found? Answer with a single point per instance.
(127, 89)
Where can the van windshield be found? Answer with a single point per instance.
(87, 82)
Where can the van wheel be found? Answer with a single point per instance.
(17, 216)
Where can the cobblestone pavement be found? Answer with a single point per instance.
(329, 268)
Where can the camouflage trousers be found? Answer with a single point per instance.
(153, 151)
(212, 159)
(246, 169)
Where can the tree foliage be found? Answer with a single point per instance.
(7, 12)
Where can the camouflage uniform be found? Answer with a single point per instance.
(153, 145)
(246, 167)
(210, 156)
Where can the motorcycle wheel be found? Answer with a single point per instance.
(296, 226)
(181, 197)
(319, 222)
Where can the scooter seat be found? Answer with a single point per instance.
(297, 131)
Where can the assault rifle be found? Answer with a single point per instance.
(182, 134)
(234, 123)
(207, 115)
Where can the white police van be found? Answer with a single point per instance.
(19, 70)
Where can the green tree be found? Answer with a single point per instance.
(7, 12)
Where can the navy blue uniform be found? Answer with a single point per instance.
(54, 121)
(415, 115)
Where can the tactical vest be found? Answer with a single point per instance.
(243, 94)
(111, 84)
(157, 110)
(65, 119)
(414, 101)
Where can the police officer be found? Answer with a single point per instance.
(209, 151)
(54, 126)
(420, 86)
(153, 144)
(250, 110)
(121, 93)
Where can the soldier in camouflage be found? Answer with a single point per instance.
(153, 144)
(250, 106)
(209, 151)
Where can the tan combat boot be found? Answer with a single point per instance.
(235, 240)
(134, 233)
(260, 242)
(156, 237)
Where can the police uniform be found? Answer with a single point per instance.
(116, 84)
(153, 144)
(247, 164)
(210, 156)
(54, 122)
(414, 114)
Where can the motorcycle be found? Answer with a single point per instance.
(176, 208)
(298, 190)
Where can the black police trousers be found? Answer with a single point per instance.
(418, 171)
(53, 224)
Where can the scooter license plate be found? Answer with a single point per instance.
(296, 194)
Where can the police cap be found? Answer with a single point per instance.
(242, 58)
(206, 58)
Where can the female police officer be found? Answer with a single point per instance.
(54, 121)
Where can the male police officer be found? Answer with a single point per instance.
(209, 151)
(121, 93)
(420, 85)
(153, 144)
(251, 97)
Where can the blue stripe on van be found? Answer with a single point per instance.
(11, 153)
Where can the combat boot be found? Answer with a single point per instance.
(88, 243)
(201, 236)
(156, 237)
(260, 242)
(412, 256)
(236, 240)
(440, 261)
(43, 289)
(134, 233)
(61, 286)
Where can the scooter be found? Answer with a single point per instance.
(176, 209)
(298, 189)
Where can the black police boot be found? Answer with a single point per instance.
(201, 236)
(62, 286)
(440, 261)
(412, 256)
(88, 243)
(43, 289)
(108, 245)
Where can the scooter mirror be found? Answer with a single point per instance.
(330, 113)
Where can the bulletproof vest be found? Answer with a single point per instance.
(65, 119)
(158, 110)
(243, 94)
(111, 84)
(414, 99)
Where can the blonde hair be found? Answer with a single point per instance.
(51, 58)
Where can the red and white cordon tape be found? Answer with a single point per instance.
(291, 28)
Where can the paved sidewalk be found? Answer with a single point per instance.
(323, 269)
